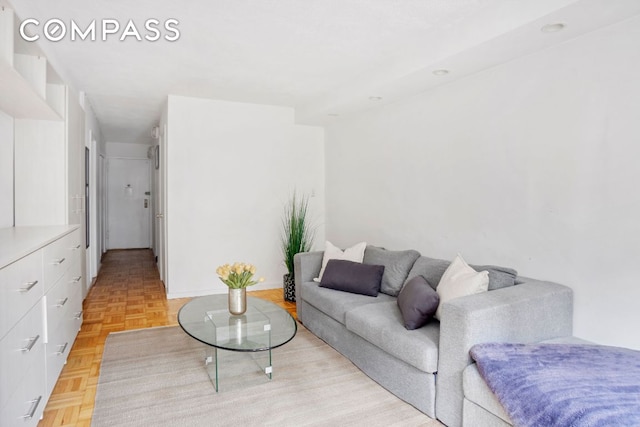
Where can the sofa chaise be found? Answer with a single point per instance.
(425, 366)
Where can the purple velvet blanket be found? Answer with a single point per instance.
(547, 385)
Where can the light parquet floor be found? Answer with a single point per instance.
(128, 294)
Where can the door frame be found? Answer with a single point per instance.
(102, 165)
(162, 203)
(149, 211)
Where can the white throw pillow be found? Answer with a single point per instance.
(355, 253)
(460, 280)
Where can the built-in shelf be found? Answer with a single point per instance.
(25, 89)
(19, 100)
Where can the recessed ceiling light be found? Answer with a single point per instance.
(553, 28)
(375, 98)
(441, 72)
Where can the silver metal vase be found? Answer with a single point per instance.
(237, 301)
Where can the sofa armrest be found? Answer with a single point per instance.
(306, 267)
(528, 312)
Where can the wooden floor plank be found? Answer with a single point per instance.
(128, 294)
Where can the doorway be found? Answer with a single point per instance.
(128, 203)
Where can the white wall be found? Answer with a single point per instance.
(231, 167)
(126, 150)
(531, 164)
(6, 170)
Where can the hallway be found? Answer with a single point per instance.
(128, 294)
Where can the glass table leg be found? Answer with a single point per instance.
(240, 368)
(211, 358)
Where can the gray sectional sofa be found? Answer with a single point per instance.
(425, 366)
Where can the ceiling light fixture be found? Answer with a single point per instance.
(375, 98)
(553, 28)
(441, 72)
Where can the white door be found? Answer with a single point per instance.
(129, 203)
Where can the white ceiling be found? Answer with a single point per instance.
(326, 58)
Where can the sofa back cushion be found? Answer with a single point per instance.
(499, 277)
(397, 265)
(432, 269)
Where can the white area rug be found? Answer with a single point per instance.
(156, 377)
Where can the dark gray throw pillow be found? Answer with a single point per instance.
(354, 277)
(417, 302)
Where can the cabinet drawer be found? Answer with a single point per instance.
(26, 405)
(63, 302)
(21, 288)
(59, 255)
(57, 351)
(20, 350)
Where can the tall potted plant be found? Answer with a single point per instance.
(297, 236)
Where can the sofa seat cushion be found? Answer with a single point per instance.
(382, 325)
(336, 303)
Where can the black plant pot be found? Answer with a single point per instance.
(289, 286)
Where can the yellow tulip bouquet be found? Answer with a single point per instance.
(237, 276)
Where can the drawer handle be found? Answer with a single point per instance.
(30, 286)
(76, 279)
(78, 315)
(60, 352)
(62, 303)
(58, 261)
(32, 410)
(32, 342)
(75, 247)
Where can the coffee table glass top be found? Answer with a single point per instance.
(263, 327)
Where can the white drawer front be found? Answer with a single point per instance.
(21, 350)
(21, 286)
(26, 405)
(63, 302)
(59, 255)
(75, 308)
(58, 300)
(57, 350)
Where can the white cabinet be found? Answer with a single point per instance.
(49, 167)
(62, 302)
(48, 133)
(40, 315)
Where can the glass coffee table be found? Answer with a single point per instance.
(263, 327)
